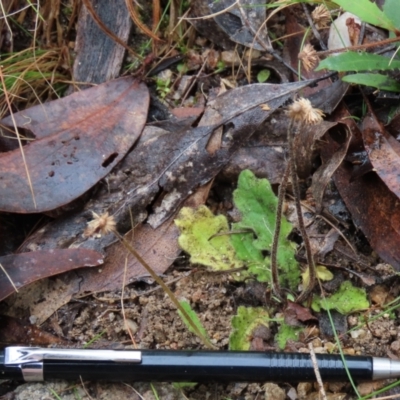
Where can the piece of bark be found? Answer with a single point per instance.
(99, 58)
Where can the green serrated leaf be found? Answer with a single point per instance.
(195, 319)
(285, 333)
(263, 75)
(243, 323)
(354, 61)
(369, 12)
(346, 300)
(253, 258)
(378, 81)
(257, 204)
(198, 229)
(392, 10)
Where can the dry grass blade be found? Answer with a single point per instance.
(99, 22)
(8, 277)
(18, 137)
(210, 16)
(136, 19)
(30, 75)
(156, 14)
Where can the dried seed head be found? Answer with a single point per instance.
(100, 225)
(302, 110)
(321, 16)
(308, 57)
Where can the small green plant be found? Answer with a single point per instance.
(244, 323)
(385, 15)
(346, 300)
(163, 87)
(186, 306)
(263, 75)
(257, 204)
(205, 237)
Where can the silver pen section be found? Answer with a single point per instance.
(31, 359)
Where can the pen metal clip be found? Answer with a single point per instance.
(24, 355)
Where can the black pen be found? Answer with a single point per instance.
(38, 364)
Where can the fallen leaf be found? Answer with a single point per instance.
(14, 331)
(374, 208)
(79, 140)
(323, 175)
(230, 26)
(25, 268)
(295, 312)
(383, 151)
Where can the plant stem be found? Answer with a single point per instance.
(167, 290)
(276, 286)
(359, 47)
(296, 192)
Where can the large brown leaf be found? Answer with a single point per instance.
(383, 152)
(374, 208)
(79, 139)
(18, 270)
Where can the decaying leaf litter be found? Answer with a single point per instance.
(157, 170)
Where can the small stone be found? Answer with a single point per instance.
(395, 347)
(317, 342)
(303, 389)
(273, 392)
(320, 350)
(230, 58)
(131, 326)
(292, 394)
(330, 346)
(358, 333)
(253, 53)
(366, 388)
(378, 294)
(336, 387)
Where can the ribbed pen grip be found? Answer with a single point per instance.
(208, 366)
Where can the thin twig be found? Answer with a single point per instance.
(267, 46)
(123, 305)
(359, 47)
(316, 371)
(107, 31)
(276, 286)
(313, 27)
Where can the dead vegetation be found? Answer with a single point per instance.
(120, 122)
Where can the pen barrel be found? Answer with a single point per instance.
(208, 366)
